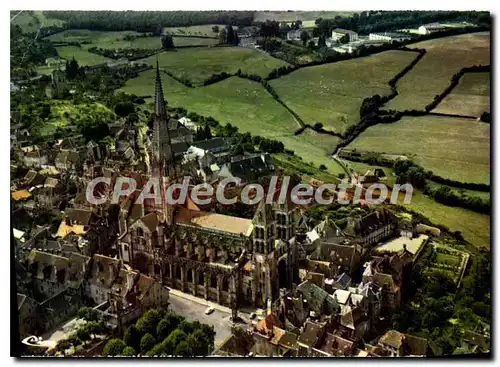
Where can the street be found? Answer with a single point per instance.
(192, 310)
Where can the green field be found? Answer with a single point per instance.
(453, 148)
(470, 97)
(472, 193)
(83, 57)
(289, 16)
(106, 40)
(195, 30)
(27, 20)
(241, 102)
(432, 74)
(475, 227)
(244, 104)
(199, 64)
(448, 259)
(314, 148)
(64, 114)
(332, 93)
(194, 41)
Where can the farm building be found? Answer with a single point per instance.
(338, 33)
(388, 37)
(293, 35)
(431, 28)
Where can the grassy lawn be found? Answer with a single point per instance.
(306, 170)
(454, 148)
(198, 64)
(194, 41)
(83, 57)
(289, 16)
(474, 227)
(47, 22)
(432, 74)
(195, 30)
(470, 97)
(332, 93)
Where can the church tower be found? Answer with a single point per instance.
(162, 160)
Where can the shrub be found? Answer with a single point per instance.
(114, 347)
(129, 352)
(147, 342)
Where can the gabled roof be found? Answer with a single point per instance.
(393, 338)
(214, 221)
(310, 335)
(266, 326)
(212, 144)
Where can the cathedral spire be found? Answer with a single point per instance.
(160, 108)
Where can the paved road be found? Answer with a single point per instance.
(195, 311)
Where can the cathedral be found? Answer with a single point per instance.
(233, 261)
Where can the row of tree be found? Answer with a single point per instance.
(148, 21)
(161, 333)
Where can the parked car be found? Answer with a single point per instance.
(209, 310)
(252, 315)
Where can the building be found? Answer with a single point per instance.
(431, 28)
(339, 33)
(230, 260)
(389, 37)
(293, 35)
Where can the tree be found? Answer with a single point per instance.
(114, 347)
(186, 326)
(173, 340)
(123, 109)
(83, 334)
(132, 337)
(230, 35)
(73, 339)
(62, 345)
(158, 30)
(322, 167)
(199, 343)
(304, 37)
(222, 36)
(167, 42)
(147, 323)
(128, 352)
(95, 328)
(148, 341)
(322, 42)
(344, 39)
(163, 329)
(72, 69)
(183, 349)
(215, 28)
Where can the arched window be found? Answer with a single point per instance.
(140, 232)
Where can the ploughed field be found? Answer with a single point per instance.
(332, 93)
(470, 97)
(454, 148)
(433, 73)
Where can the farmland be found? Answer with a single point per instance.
(195, 30)
(199, 64)
(248, 106)
(458, 149)
(475, 227)
(194, 41)
(106, 40)
(444, 57)
(335, 91)
(240, 102)
(83, 57)
(470, 97)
